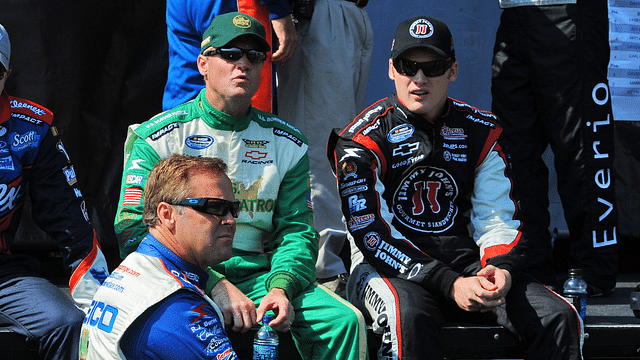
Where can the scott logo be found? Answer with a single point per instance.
(22, 141)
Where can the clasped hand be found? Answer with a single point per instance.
(484, 291)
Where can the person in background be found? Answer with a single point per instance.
(323, 86)
(275, 251)
(154, 297)
(33, 157)
(187, 21)
(549, 87)
(423, 186)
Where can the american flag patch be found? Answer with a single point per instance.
(132, 196)
(309, 204)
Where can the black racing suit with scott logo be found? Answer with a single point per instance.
(427, 201)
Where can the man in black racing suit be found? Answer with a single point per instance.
(428, 205)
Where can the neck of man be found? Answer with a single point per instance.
(237, 106)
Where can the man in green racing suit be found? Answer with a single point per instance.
(275, 247)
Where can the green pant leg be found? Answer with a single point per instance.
(325, 327)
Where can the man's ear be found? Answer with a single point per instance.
(453, 72)
(167, 214)
(392, 75)
(202, 64)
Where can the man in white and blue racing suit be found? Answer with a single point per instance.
(153, 306)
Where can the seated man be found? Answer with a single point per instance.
(33, 157)
(152, 305)
(275, 251)
(427, 202)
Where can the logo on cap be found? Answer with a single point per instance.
(242, 21)
(421, 29)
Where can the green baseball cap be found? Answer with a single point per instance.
(229, 26)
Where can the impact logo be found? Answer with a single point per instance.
(164, 131)
(421, 28)
(425, 200)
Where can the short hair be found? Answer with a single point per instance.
(169, 181)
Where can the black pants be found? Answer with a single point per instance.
(410, 318)
(549, 87)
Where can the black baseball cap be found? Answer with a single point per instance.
(423, 32)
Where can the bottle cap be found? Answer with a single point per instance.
(575, 272)
(267, 319)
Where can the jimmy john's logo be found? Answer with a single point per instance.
(421, 28)
(425, 200)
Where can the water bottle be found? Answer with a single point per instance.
(265, 343)
(575, 290)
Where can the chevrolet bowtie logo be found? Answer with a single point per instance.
(255, 155)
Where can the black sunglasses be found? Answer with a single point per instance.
(213, 206)
(235, 54)
(429, 68)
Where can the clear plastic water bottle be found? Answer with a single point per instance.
(575, 290)
(265, 343)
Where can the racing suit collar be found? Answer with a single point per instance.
(5, 107)
(221, 120)
(151, 246)
(417, 119)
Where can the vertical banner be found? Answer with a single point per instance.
(624, 64)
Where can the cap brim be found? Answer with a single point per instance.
(5, 61)
(262, 43)
(400, 51)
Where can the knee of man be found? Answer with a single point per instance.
(64, 318)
